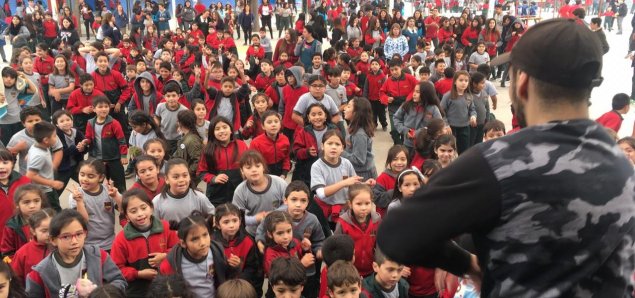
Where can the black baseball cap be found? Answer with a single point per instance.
(558, 51)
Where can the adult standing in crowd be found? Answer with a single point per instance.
(265, 11)
(188, 15)
(306, 47)
(550, 207)
(121, 18)
(246, 23)
(287, 45)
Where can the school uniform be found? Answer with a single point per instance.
(293, 250)
(51, 278)
(101, 216)
(219, 104)
(383, 190)
(324, 174)
(201, 283)
(372, 85)
(416, 118)
(274, 91)
(6, 197)
(27, 257)
(359, 151)
(364, 236)
(253, 202)
(77, 101)
(244, 247)
(173, 208)
(40, 160)
(225, 161)
(290, 96)
(306, 138)
(150, 193)
(275, 151)
(612, 119)
(131, 249)
(398, 89)
(23, 135)
(10, 123)
(168, 119)
(263, 81)
(481, 106)
(458, 112)
(140, 101)
(115, 87)
(16, 234)
(375, 290)
(72, 157)
(189, 148)
(254, 130)
(106, 141)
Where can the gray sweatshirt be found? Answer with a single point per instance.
(414, 118)
(359, 151)
(307, 226)
(254, 202)
(458, 111)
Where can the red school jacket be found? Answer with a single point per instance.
(397, 87)
(290, 96)
(50, 28)
(354, 52)
(254, 130)
(79, 100)
(612, 120)
(224, 160)
(6, 198)
(373, 84)
(16, 234)
(469, 36)
(274, 92)
(111, 137)
(273, 252)
(263, 81)
(274, 151)
(111, 81)
(130, 250)
(44, 66)
(368, 37)
(244, 247)
(27, 257)
(252, 52)
(364, 238)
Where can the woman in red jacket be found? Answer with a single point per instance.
(445, 32)
(287, 45)
(470, 36)
(138, 255)
(218, 165)
(374, 35)
(517, 31)
(491, 37)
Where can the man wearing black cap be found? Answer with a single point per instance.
(551, 207)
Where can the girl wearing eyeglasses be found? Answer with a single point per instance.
(73, 269)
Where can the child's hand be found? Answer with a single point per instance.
(57, 185)
(124, 161)
(88, 110)
(307, 260)
(147, 274)
(261, 247)
(473, 121)
(197, 71)
(352, 180)
(155, 259)
(260, 216)
(221, 179)
(112, 190)
(405, 273)
(249, 123)
(233, 260)
(391, 99)
(20, 146)
(283, 177)
(306, 244)
(371, 182)
(118, 107)
(77, 194)
(312, 151)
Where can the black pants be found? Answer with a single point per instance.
(115, 172)
(265, 21)
(8, 130)
(123, 120)
(397, 137)
(54, 200)
(476, 134)
(462, 135)
(247, 32)
(88, 28)
(379, 113)
(66, 176)
(57, 105)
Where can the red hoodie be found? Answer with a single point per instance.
(364, 238)
(470, 36)
(368, 37)
(130, 251)
(421, 281)
(244, 247)
(354, 52)
(79, 100)
(276, 152)
(273, 252)
(432, 27)
(254, 130)
(6, 198)
(257, 53)
(291, 96)
(374, 82)
(273, 92)
(225, 158)
(27, 257)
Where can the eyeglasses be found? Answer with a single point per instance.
(318, 86)
(68, 237)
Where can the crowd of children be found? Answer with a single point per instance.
(182, 108)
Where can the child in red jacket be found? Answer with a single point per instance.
(280, 243)
(228, 94)
(80, 102)
(28, 199)
(374, 80)
(394, 92)
(266, 77)
(351, 89)
(111, 145)
(613, 119)
(255, 50)
(50, 28)
(241, 251)
(290, 94)
(114, 86)
(274, 90)
(37, 249)
(11, 181)
(273, 145)
(253, 126)
(361, 223)
(218, 165)
(283, 60)
(398, 160)
(138, 256)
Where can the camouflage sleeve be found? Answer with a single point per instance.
(463, 198)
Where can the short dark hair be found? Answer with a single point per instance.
(620, 100)
(485, 69)
(495, 125)
(317, 54)
(394, 63)
(100, 99)
(166, 65)
(597, 21)
(29, 111)
(172, 86)
(266, 60)
(424, 70)
(63, 219)
(227, 79)
(335, 71)
(296, 185)
(288, 271)
(440, 60)
(448, 72)
(9, 72)
(60, 113)
(579, 12)
(85, 77)
(338, 247)
(342, 273)
(42, 130)
(380, 257)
